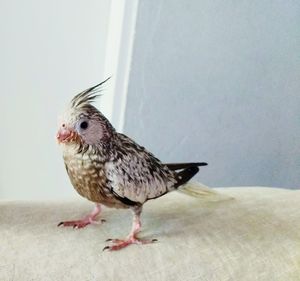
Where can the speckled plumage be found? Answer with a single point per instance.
(117, 172)
(120, 171)
(109, 168)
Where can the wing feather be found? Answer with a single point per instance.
(135, 174)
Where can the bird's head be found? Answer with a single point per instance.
(82, 123)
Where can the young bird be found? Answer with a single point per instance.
(110, 169)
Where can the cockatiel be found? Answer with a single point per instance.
(110, 169)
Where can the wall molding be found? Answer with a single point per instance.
(118, 55)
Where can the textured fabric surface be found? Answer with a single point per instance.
(255, 236)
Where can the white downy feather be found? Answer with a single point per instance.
(203, 192)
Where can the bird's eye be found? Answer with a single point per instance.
(84, 125)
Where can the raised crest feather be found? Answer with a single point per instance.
(88, 96)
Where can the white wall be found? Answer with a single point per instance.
(218, 81)
(49, 51)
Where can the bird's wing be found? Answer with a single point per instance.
(135, 175)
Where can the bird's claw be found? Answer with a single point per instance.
(118, 244)
(105, 248)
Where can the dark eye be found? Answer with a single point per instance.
(84, 125)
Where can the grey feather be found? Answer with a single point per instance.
(88, 96)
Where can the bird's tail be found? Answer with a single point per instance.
(184, 172)
(202, 192)
(181, 166)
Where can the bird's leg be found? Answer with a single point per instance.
(89, 219)
(132, 238)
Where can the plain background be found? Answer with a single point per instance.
(219, 81)
(214, 81)
(50, 50)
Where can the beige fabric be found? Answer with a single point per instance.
(255, 236)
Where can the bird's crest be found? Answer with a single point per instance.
(87, 96)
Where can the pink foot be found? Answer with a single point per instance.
(118, 244)
(80, 223)
(89, 219)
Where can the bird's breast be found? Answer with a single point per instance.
(87, 174)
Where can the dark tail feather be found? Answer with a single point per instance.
(183, 176)
(181, 166)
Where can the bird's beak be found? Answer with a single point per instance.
(65, 135)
